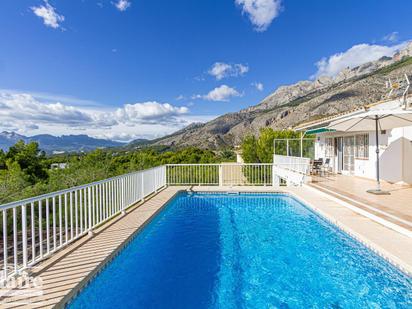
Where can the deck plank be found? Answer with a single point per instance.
(65, 274)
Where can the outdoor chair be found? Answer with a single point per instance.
(326, 168)
(317, 166)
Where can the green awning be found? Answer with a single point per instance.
(319, 130)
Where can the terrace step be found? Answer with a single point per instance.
(364, 205)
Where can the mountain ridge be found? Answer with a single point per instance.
(290, 105)
(57, 144)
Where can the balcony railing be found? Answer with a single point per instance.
(35, 228)
(295, 164)
(226, 174)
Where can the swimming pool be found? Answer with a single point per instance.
(214, 250)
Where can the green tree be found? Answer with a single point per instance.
(261, 150)
(249, 149)
(26, 172)
(2, 160)
(228, 155)
(265, 145)
(30, 159)
(12, 182)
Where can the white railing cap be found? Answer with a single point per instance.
(60, 192)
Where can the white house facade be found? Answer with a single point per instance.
(354, 153)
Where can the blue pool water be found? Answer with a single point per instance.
(244, 251)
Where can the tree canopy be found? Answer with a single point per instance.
(26, 171)
(261, 149)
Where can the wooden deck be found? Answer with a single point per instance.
(396, 207)
(65, 274)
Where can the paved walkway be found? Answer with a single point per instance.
(65, 273)
(392, 245)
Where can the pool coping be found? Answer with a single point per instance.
(76, 277)
(382, 251)
(399, 264)
(304, 195)
(395, 261)
(99, 268)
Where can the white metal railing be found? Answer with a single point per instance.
(293, 170)
(193, 174)
(226, 174)
(35, 228)
(295, 164)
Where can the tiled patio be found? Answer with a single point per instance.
(396, 207)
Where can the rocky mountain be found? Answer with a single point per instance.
(57, 144)
(306, 100)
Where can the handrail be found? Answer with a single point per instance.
(51, 194)
(37, 227)
(295, 164)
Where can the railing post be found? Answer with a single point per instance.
(122, 196)
(142, 180)
(220, 175)
(301, 145)
(5, 246)
(89, 193)
(275, 178)
(156, 177)
(24, 232)
(287, 147)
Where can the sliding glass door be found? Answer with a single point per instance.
(349, 154)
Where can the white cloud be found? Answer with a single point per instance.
(353, 57)
(149, 112)
(391, 37)
(220, 70)
(23, 113)
(261, 12)
(49, 15)
(241, 69)
(122, 5)
(222, 94)
(50, 97)
(24, 107)
(258, 86)
(121, 136)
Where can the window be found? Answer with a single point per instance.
(329, 147)
(362, 146)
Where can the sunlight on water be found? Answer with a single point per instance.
(245, 251)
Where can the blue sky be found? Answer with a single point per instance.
(124, 69)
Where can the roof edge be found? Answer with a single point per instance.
(309, 124)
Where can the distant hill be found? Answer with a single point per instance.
(293, 104)
(58, 144)
(140, 142)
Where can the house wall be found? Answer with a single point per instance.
(395, 154)
(407, 155)
(391, 156)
